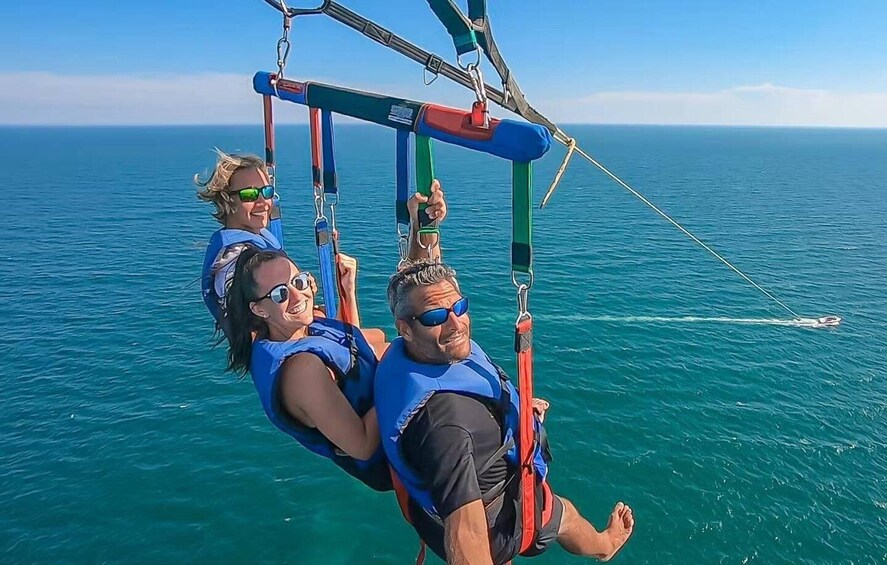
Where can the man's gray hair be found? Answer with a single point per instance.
(414, 275)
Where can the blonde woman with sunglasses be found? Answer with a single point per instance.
(243, 196)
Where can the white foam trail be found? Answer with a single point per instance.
(798, 323)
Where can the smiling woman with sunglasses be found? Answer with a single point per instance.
(243, 196)
(314, 376)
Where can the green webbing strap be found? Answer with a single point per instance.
(458, 26)
(477, 10)
(521, 217)
(424, 177)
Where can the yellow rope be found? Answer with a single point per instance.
(571, 147)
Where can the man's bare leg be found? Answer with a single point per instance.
(376, 339)
(578, 536)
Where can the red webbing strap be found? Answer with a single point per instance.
(403, 499)
(274, 225)
(523, 346)
(344, 299)
(269, 133)
(316, 148)
(547, 505)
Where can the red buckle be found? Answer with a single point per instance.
(479, 115)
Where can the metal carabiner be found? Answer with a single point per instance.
(318, 207)
(332, 206)
(271, 169)
(283, 53)
(283, 50)
(523, 304)
(477, 82)
(403, 249)
(403, 244)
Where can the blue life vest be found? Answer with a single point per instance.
(351, 359)
(220, 240)
(403, 386)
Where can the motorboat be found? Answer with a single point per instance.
(828, 321)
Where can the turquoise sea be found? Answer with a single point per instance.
(122, 439)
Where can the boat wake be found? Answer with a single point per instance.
(797, 322)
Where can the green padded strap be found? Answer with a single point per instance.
(521, 217)
(424, 177)
(477, 10)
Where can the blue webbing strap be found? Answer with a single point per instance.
(324, 239)
(330, 180)
(323, 236)
(275, 225)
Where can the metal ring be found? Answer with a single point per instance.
(465, 67)
(428, 247)
(425, 72)
(281, 6)
(528, 284)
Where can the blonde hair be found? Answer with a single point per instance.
(215, 188)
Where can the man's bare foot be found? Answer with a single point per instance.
(540, 405)
(619, 528)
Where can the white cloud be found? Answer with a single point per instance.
(52, 99)
(44, 98)
(39, 98)
(764, 104)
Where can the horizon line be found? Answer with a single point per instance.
(361, 124)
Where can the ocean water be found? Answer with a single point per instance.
(674, 385)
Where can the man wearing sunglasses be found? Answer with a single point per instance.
(447, 417)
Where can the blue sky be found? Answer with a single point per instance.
(770, 63)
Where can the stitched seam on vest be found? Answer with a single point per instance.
(415, 410)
